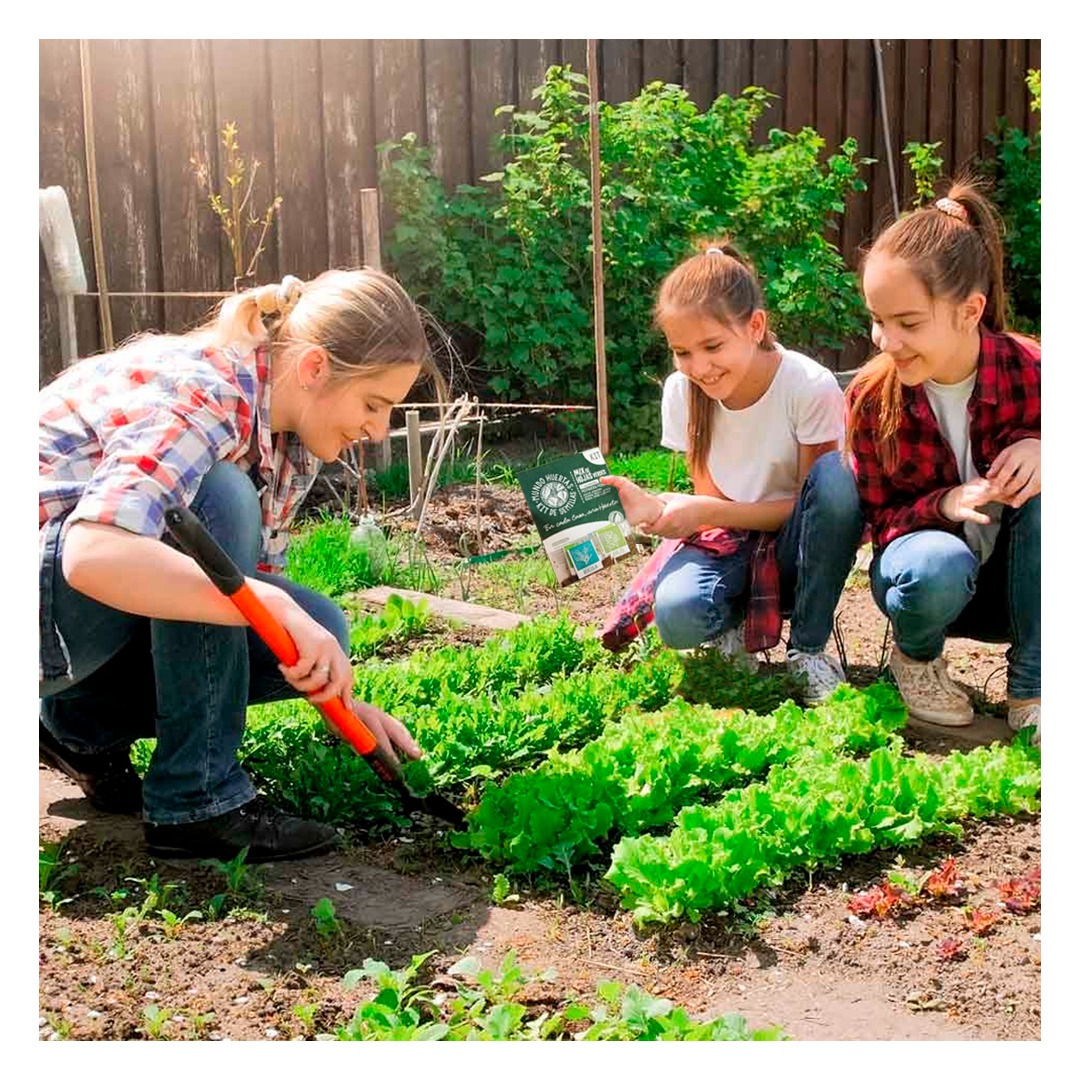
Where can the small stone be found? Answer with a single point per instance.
(272, 1033)
(152, 995)
(240, 961)
(216, 1036)
(855, 921)
(41, 1021)
(241, 1000)
(342, 886)
(284, 911)
(93, 1014)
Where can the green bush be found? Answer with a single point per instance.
(1016, 171)
(507, 266)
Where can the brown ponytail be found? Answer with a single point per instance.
(954, 248)
(718, 281)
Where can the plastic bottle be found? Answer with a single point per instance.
(368, 536)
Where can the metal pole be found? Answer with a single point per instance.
(416, 467)
(885, 125)
(598, 250)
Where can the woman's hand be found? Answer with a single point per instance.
(960, 503)
(1018, 472)
(322, 670)
(681, 517)
(392, 735)
(641, 507)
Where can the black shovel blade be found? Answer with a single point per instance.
(437, 806)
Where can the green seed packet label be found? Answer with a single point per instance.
(581, 521)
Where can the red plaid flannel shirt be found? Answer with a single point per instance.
(1004, 408)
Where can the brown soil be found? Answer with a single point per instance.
(806, 964)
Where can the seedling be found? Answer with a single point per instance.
(174, 923)
(155, 1020)
(237, 871)
(327, 924)
(980, 922)
(51, 873)
(1022, 894)
(951, 949)
(500, 891)
(306, 1013)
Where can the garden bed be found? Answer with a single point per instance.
(267, 957)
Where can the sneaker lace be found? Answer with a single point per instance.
(821, 670)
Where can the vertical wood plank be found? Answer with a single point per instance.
(993, 88)
(446, 91)
(126, 182)
(242, 95)
(860, 80)
(348, 144)
(915, 114)
(1016, 91)
(182, 94)
(620, 70)
(768, 59)
(399, 99)
(661, 59)
(298, 156)
(534, 57)
(62, 161)
(572, 51)
(967, 113)
(942, 82)
(800, 87)
(734, 67)
(491, 73)
(829, 71)
(699, 71)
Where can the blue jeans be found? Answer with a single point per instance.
(700, 594)
(930, 585)
(189, 684)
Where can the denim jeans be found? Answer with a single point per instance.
(189, 684)
(700, 594)
(930, 585)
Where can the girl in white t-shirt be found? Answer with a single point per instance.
(761, 427)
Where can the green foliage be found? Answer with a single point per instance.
(52, 872)
(1016, 173)
(327, 924)
(507, 266)
(399, 620)
(815, 809)
(656, 470)
(321, 557)
(644, 767)
(483, 1005)
(926, 167)
(711, 678)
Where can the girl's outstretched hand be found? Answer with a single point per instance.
(641, 507)
(961, 502)
(1018, 472)
(391, 735)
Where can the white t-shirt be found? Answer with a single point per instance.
(754, 453)
(949, 402)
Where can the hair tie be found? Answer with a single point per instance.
(281, 298)
(952, 208)
(714, 251)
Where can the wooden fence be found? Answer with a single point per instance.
(313, 112)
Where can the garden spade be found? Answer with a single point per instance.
(195, 541)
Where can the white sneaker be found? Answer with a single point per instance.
(732, 644)
(1025, 716)
(928, 692)
(823, 673)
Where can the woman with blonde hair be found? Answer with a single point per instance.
(233, 421)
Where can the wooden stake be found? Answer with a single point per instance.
(598, 250)
(104, 314)
(416, 466)
(369, 222)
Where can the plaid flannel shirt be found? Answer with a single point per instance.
(764, 619)
(1004, 408)
(123, 436)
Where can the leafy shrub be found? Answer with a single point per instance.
(507, 266)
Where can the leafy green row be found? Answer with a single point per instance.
(292, 757)
(640, 771)
(815, 810)
(530, 654)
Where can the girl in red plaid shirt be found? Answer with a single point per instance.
(233, 421)
(944, 433)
